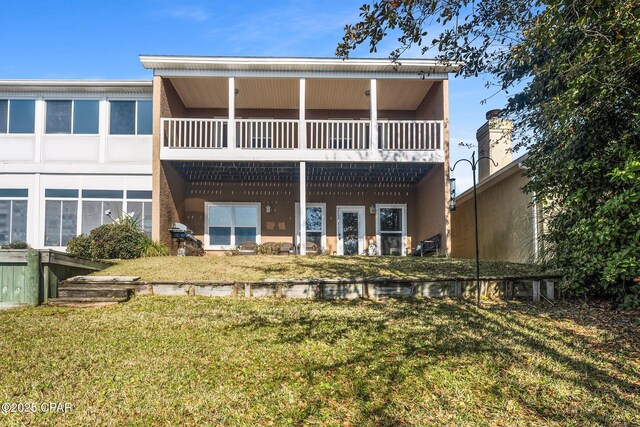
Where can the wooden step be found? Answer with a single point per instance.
(90, 292)
(82, 302)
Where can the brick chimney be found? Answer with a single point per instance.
(494, 140)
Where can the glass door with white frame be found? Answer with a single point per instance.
(350, 230)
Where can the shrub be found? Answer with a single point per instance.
(80, 246)
(117, 241)
(16, 245)
(153, 249)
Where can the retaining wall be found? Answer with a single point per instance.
(530, 288)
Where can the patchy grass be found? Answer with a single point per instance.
(206, 361)
(260, 267)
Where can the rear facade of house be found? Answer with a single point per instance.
(246, 147)
(237, 149)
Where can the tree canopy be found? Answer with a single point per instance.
(573, 69)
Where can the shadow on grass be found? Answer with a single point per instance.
(442, 332)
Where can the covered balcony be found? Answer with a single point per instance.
(302, 119)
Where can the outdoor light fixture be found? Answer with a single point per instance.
(267, 208)
(452, 194)
(367, 92)
(237, 91)
(372, 209)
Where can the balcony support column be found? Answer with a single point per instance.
(231, 126)
(302, 126)
(303, 208)
(373, 95)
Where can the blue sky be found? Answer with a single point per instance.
(91, 39)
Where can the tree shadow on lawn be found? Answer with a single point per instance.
(400, 339)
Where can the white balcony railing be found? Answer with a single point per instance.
(410, 135)
(338, 134)
(194, 133)
(267, 134)
(273, 134)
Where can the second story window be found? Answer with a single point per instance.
(79, 116)
(17, 115)
(130, 118)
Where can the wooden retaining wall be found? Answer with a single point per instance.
(530, 288)
(31, 276)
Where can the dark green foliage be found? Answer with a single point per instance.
(16, 245)
(80, 246)
(120, 240)
(117, 241)
(574, 69)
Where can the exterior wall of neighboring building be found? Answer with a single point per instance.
(73, 163)
(505, 219)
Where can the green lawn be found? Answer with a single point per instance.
(260, 267)
(206, 361)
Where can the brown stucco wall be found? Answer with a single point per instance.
(505, 227)
(167, 185)
(431, 209)
(433, 105)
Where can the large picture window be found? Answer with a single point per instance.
(391, 228)
(17, 115)
(229, 224)
(13, 215)
(69, 212)
(79, 116)
(130, 118)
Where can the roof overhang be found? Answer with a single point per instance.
(77, 86)
(498, 176)
(312, 67)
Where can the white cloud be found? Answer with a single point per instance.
(189, 13)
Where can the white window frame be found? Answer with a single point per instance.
(125, 208)
(35, 118)
(362, 227)
(233, 244)
(78, 216)
(115, 215)
(323, 239)
(73, 103)
(403, 206)
(12, 199)
(135, 118)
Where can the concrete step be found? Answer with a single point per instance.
(75, 285)
(103, 279)
(81, 302)
(91, 292)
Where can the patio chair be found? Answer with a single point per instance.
(312, 248)
(247, 248)
(430, 246)
(285, 249)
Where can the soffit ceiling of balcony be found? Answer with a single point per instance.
(321, 94)
(388, 174)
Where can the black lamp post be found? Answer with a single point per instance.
(474, 163)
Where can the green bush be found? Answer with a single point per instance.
(153, 249)
(120, 240)
(80, 246)
(117, 241)
(16, 245)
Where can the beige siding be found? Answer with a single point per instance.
(505, 224)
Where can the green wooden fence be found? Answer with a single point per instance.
(31, 276)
